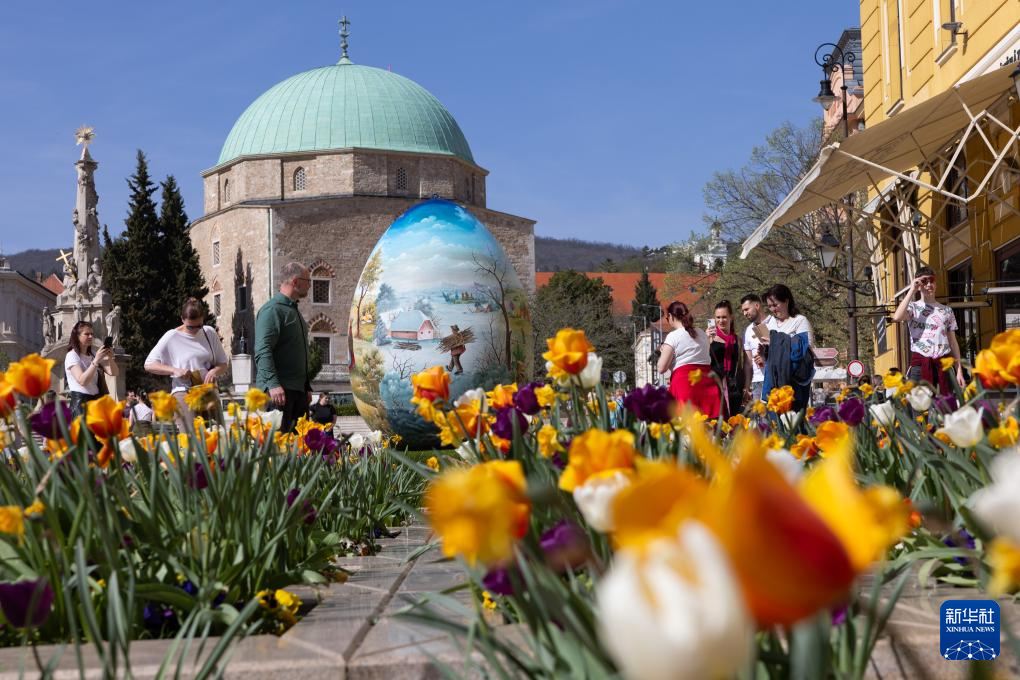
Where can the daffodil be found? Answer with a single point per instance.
(892, 380)
(255, 399)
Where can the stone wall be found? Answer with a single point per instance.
(344, 172)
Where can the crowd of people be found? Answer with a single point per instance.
(712, 368)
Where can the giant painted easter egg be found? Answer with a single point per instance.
(438, 289)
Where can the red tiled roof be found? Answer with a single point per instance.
(669, 286)
(52, 283)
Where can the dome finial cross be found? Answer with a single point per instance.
(344, 34)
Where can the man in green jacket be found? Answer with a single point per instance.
(281, 347)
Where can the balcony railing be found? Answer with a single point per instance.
(334, 373)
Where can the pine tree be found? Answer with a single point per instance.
(646, 299)
(135, 278)
(183, 264)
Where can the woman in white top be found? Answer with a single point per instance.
(684, 354)
(83, 368)
(191, 354)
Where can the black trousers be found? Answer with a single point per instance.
(295, 405)
(77, 401)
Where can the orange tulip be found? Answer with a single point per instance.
(104, 417)
(568, 351)
(660, 498)
(789, 562)
(830, 436)
(597, 451)
(8, 400)
(31, 375)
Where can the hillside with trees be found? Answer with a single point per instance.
(37, 261)
(559, 254)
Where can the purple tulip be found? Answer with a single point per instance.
(525, 399)
(839, 615)
(651, 404)
(320, 440)
(946, 403)
(503, 427)
(852, 411)
(498, 582)
(822, 414)
(198, 479)
(46, 423)
(16, 602)
(558, 461)
(565, 545)
(310, 513)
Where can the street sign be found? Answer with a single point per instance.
(619, 377)
(855, 368)
(826, 353)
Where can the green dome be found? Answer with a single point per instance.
(342, 106)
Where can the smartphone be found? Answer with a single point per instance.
(107, 342)
(711, 324)
(762, 331)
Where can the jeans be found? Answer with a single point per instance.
(756, 391)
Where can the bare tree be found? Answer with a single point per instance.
(497, 268)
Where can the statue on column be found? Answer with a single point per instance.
(49, 329)
(95, 280)
(113, 325)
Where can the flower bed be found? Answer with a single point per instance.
(676, 546)
(106, 539)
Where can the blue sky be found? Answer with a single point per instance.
(601, 119)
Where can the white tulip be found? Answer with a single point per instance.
(24, 453)
(595, 497)
(920, 398)
(273, 418)
(964, 426)
(998, 505)
(884, 413)
(357, 441)
(676, 612)
(563, 380)
(128, 453)
(477, 394)
(789, 419)
(591, 375)
(374, 437)
(786, 463)
(467, 451)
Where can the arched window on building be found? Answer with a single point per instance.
(321, 286)
(401, 179)
(216, 253)
(299, 180)
(226, 191)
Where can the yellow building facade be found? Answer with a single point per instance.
(914, 51)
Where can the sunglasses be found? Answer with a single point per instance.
(928, 280)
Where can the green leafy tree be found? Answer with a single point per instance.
(314, 360)
(741, 199)
(183, 260)
(369, 277)
(571, 299)
(646, 300)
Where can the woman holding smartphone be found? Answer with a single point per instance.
(684, 355)
(725, 350)
(932, 327)
(84, 369)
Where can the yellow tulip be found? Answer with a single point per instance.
(568, 351)
(502, 396)
(432, 463)
(892, 380)
(781, 399)
(597, 451)
(1004, 435)
(548, 441)
(1004, 558)
(546, 395)
(480, 511)
(431, 384)
(12, 520)
(31, 375)
(660, 497)
(831, 435)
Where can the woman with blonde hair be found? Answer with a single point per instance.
(685, 356)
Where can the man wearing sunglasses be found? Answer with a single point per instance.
(932, 328)
(281, 347)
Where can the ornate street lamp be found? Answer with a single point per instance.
(828, 249)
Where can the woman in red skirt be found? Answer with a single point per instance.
(685, 353)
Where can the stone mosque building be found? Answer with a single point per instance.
(315, 170)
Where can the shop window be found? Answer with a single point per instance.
(1008, 276)
(961, 290)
